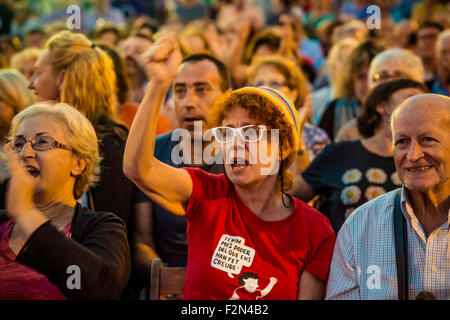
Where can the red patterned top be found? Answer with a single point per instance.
(18, 281)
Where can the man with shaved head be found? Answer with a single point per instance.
(396, 246)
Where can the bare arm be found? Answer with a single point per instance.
(302, 190)
(311, 287)
(139, 165)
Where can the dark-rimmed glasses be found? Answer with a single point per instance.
(41, 143)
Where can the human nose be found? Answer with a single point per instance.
(414, 152)
(238, 141)
(27, 150)
(191, 98)
(31, 83)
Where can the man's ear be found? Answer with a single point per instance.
(78, 166)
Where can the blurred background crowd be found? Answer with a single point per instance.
(328, 56)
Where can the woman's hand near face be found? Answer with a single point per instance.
(19, 197)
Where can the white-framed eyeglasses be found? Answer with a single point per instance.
(250, 133)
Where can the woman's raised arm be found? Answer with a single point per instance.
(168, 186)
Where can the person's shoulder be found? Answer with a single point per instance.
(111, 132)
(164, 146)
(322, 92)
(372, 213)
(341, 148)
(202, 175)
(86, 219)
(349, 131)
(310, 215)
(164, 139)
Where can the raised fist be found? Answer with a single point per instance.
(162, 60)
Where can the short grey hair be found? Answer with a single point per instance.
(80, 136)
(440, 39)
(404, 56)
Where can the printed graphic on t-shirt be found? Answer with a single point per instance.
(249, 289)
(231, 254)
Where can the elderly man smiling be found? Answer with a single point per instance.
(369, 260)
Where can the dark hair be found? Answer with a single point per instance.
(143, 36)
(369, 119)
(144, 22)
(359, 58)
(122, 83)
(431, 24)
(247, 275)
(105, 29)
(267, 38)
(148, 25)
(221, 67)
(35, 31)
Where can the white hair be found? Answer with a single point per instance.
(400, 56)
(440, 39)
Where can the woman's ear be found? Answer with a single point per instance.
(381, 108)
(78, 166)
(60, 80)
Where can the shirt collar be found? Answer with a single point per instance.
(407, 209)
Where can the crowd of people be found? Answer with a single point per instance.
(277, 149)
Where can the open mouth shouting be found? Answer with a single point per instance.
(33, 171)
(238, 164)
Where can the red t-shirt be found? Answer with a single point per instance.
(231, 248)
(18, 281)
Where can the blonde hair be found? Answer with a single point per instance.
(337, 57)
(295, 79)
(406, 57)
(14, 91)
(79, 134)
(20, 57)
(89, 79)
(440, 39)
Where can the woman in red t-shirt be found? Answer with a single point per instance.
(247, 238)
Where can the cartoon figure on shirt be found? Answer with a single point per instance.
(249, 282)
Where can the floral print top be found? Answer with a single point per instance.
(347, 175)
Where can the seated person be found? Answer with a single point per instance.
(242, 221)
(45, 235)
(349, 173)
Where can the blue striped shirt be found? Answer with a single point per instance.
(363, 264)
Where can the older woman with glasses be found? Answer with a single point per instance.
(388, 65)
(241, 224)
(50, 246)
(75, 71)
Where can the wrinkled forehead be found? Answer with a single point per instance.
(426, 112)
(197, 71)
(392, 65)
(44, 124)
(238, 116)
